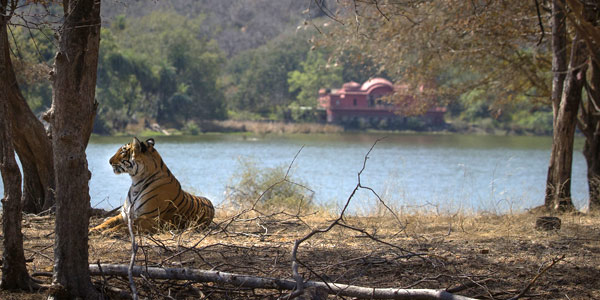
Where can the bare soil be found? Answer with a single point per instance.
(482, 256)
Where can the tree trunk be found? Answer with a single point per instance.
(29, 136)
(35, 153)
(559, 68)
(591, 113)
(34, 149)
(591, 130)
(564, 129)
(14, 270)
(33, 197)
(591, 152)
(72, 114)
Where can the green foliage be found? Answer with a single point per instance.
(538, 122)
(123, 84)
(358, 67)
(38, 95)
(158, 67)
(34, 50)
(266, 81)
(475, 104)
(166, 66)
(477, 108)
(267, 188)
(243, 115)
(305, 114)
(314, 73)
(256, 80)
(33, 45)
(191, 128)
(417, 123)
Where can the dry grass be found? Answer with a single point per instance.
(496, 256)
(276, 127)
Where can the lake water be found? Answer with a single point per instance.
(430, 172)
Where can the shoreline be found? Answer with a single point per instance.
(279, 127)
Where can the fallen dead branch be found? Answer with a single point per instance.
(248, 281)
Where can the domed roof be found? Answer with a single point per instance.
(375, 82)
(351, 86)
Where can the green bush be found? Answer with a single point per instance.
(241, 115)
(191, 128)
(268, 189)
(415, 123)
(489, 125)
(538, 122)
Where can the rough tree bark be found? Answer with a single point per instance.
(590, 126)
(559, 69)
(564, 130)
(28, 133)
(35, 152)
(588, 16)
(14, 270)
(71, 115)
(559, 175)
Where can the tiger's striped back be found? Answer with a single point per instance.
(155, 194)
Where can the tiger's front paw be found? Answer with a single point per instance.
(116, 231)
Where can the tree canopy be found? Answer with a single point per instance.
(176, 63)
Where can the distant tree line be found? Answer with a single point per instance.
(172, 67)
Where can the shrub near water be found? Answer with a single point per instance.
(268, 188)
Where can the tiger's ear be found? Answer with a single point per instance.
(138, 146)
(150, 143)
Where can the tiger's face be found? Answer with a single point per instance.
(133, 158)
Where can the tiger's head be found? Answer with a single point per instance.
(134, 158)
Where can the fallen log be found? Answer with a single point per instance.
(248, 281)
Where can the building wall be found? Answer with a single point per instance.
(352, 101)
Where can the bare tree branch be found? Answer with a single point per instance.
(247, 281)
(134, 248)
(537, 7)
(339, 221)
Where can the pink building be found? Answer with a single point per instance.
(355, 101)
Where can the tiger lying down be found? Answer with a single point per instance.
(156, 194)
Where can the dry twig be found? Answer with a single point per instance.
(339, 222)
(536, 277)
(134, 248)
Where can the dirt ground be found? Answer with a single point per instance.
(482, 256)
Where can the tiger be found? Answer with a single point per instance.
(155, 193)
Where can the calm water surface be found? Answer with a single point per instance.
(444, 172)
